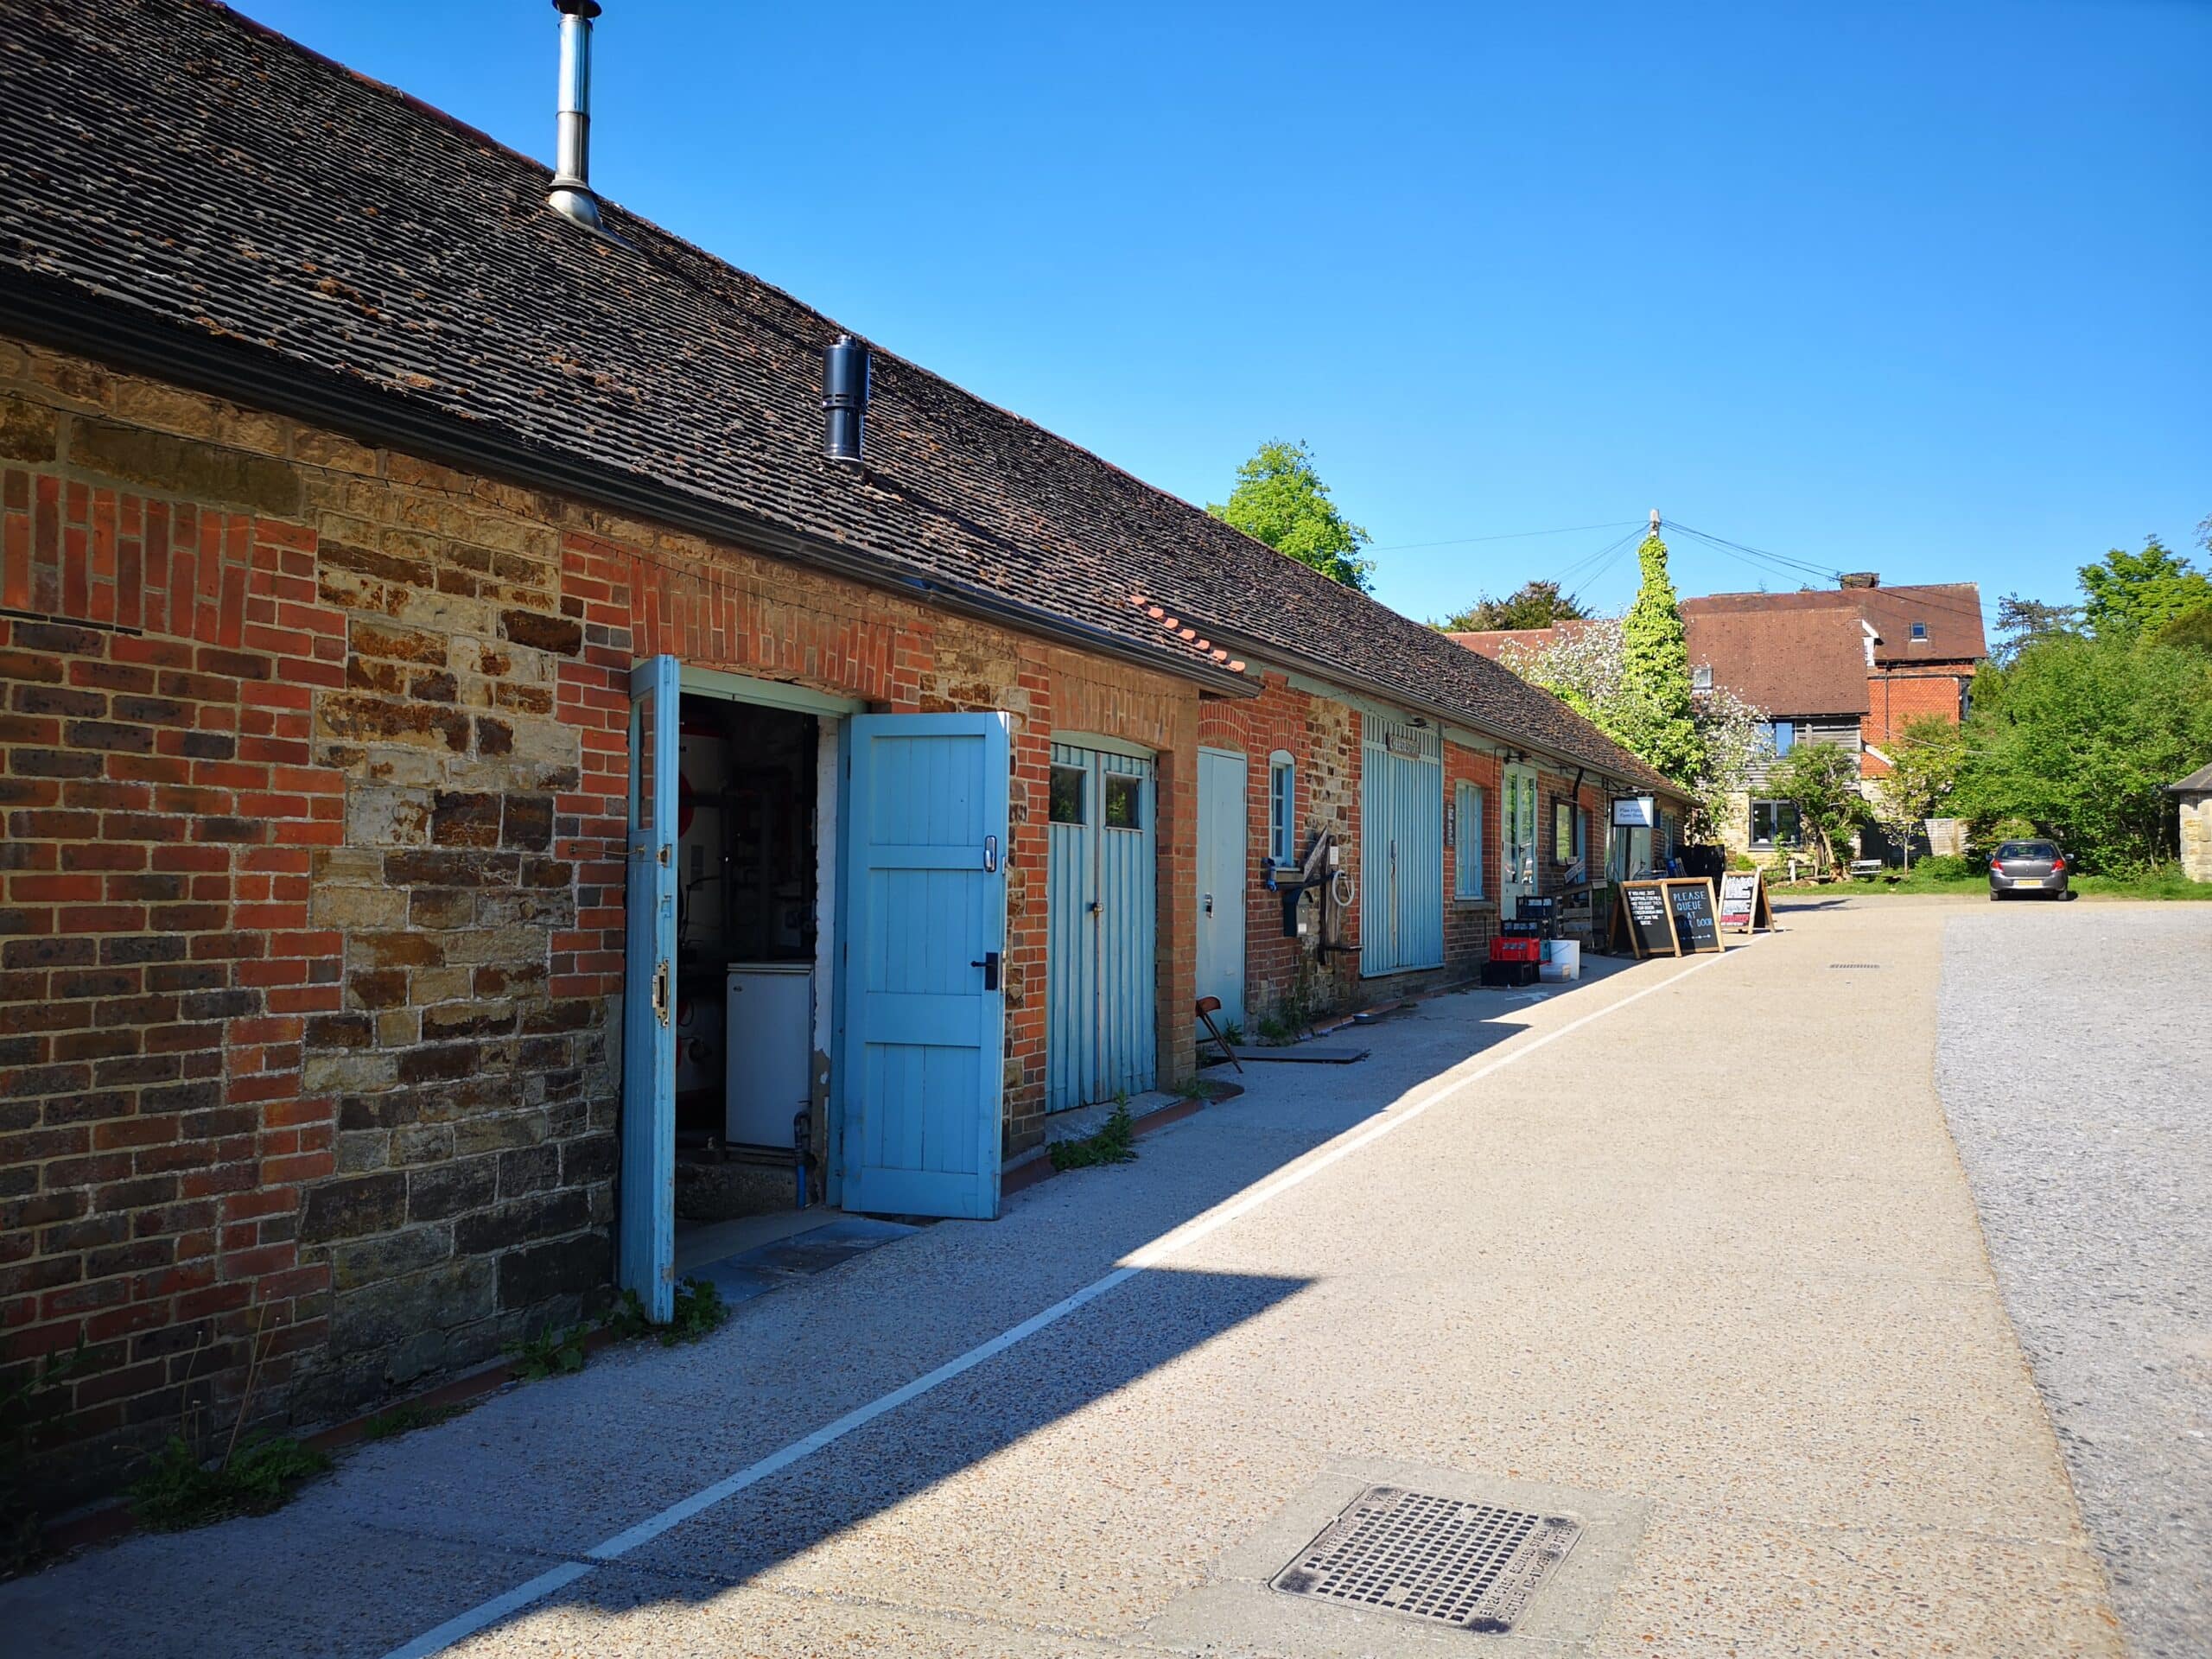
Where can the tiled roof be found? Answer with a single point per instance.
(1789, 662)
(172, 164)
(1949, 612)
(2198, 783)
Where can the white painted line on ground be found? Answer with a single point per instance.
(477, 1618)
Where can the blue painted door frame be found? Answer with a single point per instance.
(645, 1242)
(925, 1015)
(1100, 1036)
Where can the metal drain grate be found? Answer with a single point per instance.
(1435, 1559)
(1876, 965)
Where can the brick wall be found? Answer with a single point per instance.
(1898, 697)
(1322, 737)
(1469, 923)
(312, 760)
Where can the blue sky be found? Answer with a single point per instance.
(1920, 288)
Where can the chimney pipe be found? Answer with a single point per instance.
(571, 196)
(844, 396)
(1859, 579)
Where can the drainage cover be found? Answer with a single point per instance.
(1437, 1559)
(1855, 964)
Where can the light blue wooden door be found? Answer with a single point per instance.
(1224, 827)
(1401, 848)
(1101, 882)
(645, 1246)
(926, 938)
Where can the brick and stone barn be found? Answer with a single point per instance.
(397, 576)
(2193, 805)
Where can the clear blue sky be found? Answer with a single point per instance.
(1925, 288)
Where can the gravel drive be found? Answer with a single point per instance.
(2074, 1064)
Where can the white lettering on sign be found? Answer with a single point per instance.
(1409, 747)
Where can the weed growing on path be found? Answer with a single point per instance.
(1114, 1143)
(699, 1310)
(180, 1491)
(552, 1352)
(406, 1418)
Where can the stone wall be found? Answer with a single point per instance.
(2196, 811)
(312, 760)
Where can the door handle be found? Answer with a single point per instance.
(990, 854)
(989, 964)
(1209, 903)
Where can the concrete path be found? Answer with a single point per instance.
(2076, 1066)
(1691, 1241)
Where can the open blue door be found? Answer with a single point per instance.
(926, 939)
(646, 1252)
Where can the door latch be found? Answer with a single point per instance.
(660, 991)
(989, 964)
(990, 853)
(1209, 899)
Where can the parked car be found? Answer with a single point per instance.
(2028, 866)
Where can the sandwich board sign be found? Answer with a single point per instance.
(1673, 916)
(1744, 906)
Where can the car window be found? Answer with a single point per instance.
(2026, 849)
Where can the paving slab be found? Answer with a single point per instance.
(1692, 1238)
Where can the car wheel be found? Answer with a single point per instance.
(1994, 895)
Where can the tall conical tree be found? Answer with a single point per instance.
(1658, 718)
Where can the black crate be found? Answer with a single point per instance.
(1510, 973)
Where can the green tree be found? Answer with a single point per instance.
(1823, 781)
(2131, 594)
(2080, 737)
(1280, 500)
(2190, 630)
(2022, 622)
(1532, 605)
(1925, 759)
(1658, 716)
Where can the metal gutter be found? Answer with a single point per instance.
(67, 318)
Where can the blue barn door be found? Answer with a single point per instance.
(645, 1245)
(924, 944)
(1401, 848)
(1225, 826)
(1102, 887)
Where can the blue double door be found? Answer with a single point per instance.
(920, 1067)
(1101, 1037)
(1401, 848)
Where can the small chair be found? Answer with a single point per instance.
(1208, 1007)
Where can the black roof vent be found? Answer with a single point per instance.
(844, 396)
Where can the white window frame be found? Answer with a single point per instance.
(1467, 841)
(1282, 808)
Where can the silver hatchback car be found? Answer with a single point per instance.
(2028, 866)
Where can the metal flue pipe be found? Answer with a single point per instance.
(571, 195)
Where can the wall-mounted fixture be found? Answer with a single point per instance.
(844, 398)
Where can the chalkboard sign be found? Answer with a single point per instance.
(1696, 927)
(1670, 916)
(1744, 904)
(1649, 932)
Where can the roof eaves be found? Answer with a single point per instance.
(243, 371)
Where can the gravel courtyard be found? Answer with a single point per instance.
(2074, 1062)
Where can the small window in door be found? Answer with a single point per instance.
(1067, 794)
(1124, 802)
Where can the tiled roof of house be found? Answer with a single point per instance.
(2198, 783)
(176, 166)
(1949, 614)
(1789, 662)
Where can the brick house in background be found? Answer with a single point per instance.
(1849, 666)
(396, 577)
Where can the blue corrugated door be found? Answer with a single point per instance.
(645, 1222)
(926, 933)
(1401, 848)
(1101, 886)
(1225, 826)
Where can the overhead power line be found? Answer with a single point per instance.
(1509, 536)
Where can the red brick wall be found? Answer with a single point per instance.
(1322, 738)
(1469, 923)
(312, 768)
(1898, 697)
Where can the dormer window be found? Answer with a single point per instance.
(1920, 632)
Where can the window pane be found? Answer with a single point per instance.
(1282, 809)
(1785, 737)
(1067, 794)
(1124, 797)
